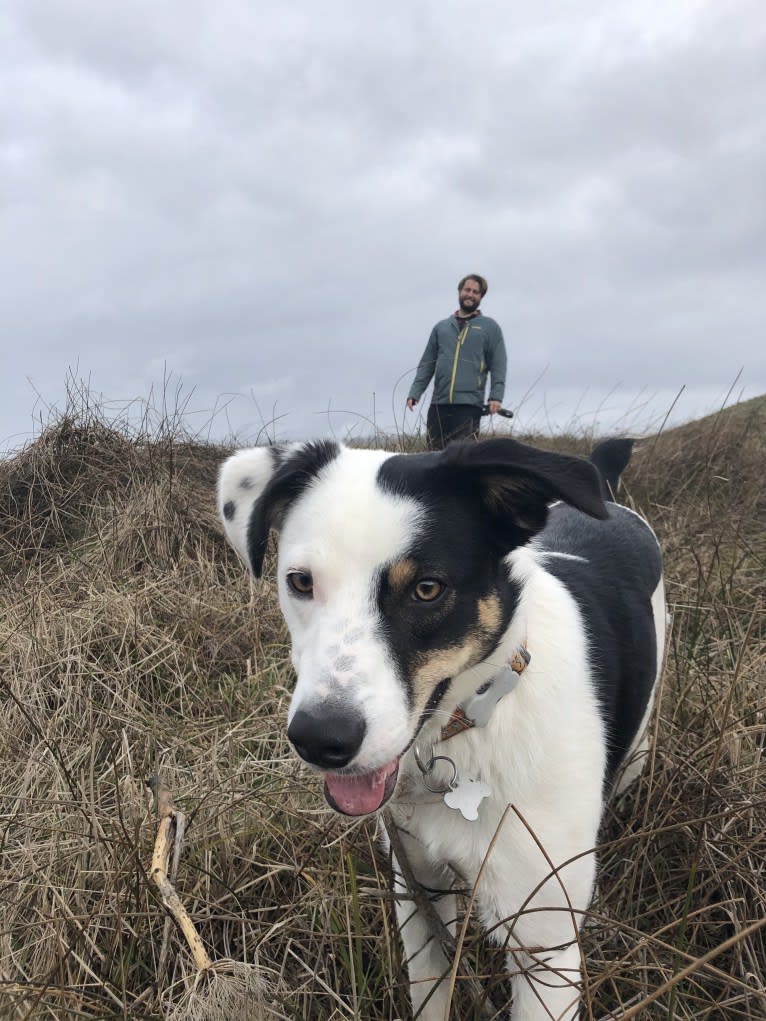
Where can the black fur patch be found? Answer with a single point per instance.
(451, 546)
(611, 457)
(613, 588)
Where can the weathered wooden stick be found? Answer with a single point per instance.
(221, 990)
(170, 898)
(168, 837)
(164, 806)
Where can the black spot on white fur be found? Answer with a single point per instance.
(229, 510)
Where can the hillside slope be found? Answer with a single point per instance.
(133, 644)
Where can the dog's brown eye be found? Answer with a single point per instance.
(300, 583)
(427, 590)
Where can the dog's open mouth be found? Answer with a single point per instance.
(361, 793)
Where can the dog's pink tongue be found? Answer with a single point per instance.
(358, 795)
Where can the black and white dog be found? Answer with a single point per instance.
(477, 635)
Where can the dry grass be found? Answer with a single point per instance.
(132, 644)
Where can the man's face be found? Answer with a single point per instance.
(469, 296)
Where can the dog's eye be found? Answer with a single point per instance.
(427, 590)
(300, 583)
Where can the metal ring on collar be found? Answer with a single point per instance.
(419, 762)
(426, 769)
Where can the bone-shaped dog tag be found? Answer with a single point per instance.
(465, 795)
(479, 707)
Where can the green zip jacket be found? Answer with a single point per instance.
(459, 356)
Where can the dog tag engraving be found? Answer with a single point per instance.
(465, 795)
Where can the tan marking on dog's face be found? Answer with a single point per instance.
(402, 574)
(490, 614)
(431, 668)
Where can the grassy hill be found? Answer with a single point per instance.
(132, 644)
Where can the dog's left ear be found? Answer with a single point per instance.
(255, 488)
(516, 484)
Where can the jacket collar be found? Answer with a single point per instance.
(464, 319)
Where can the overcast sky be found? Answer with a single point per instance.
(268, 206)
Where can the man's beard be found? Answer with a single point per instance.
(468, 305)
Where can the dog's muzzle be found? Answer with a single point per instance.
(329, 738)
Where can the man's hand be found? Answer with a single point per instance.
(494, 407)
(411, 402)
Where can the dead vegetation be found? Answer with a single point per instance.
(132, 644)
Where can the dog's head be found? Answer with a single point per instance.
(392, 580)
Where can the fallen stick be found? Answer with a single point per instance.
(223, 990)
(163, 799)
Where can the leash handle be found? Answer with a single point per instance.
(503, 412)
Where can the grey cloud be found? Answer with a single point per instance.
(279, 203)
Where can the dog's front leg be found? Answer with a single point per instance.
(547, 986)
(427, 964)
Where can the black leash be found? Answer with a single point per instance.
(502, 412)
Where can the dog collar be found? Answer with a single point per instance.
(477, 710)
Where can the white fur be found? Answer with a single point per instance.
(332, 635)
(550, 775)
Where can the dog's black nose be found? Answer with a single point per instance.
(328, 736)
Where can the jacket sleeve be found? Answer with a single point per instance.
(425, 369)
(497, 364)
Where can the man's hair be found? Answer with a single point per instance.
(483, 285)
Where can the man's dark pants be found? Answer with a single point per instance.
(447, 422)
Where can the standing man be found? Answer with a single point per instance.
(460, 352)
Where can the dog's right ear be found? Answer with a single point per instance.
(256, 486)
